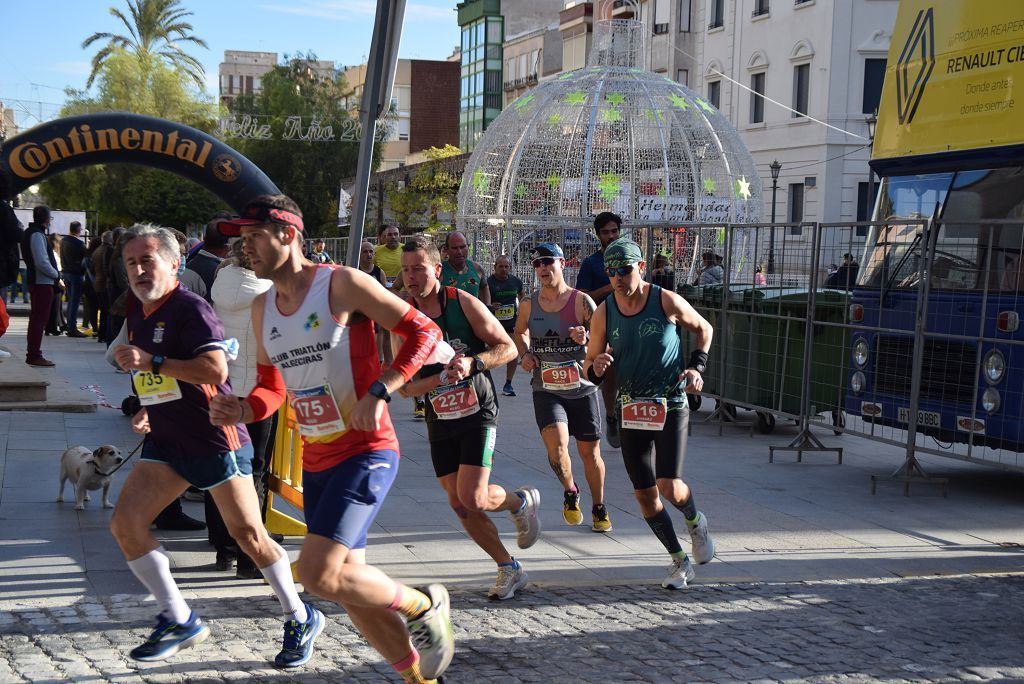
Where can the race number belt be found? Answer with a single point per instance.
(316, 412)
(560, 375)
(154, 388)
(644, 413)
(506, 312)
(454, 401)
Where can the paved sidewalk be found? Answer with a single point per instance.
(815, 579)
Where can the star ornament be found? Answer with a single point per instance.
(705, 106)
(522, 102)
(616, 98)
(481, 183)
(612, 115)
(577, 97)
(709, 186)
(679, 101)
(609, 186)
(742, 187)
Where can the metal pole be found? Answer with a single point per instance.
(771, 231)
(920, 339)
(380, 74)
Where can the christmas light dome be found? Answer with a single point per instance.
(609, 137)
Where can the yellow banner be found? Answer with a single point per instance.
(950, 77)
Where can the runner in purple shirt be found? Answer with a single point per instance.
(177, 358)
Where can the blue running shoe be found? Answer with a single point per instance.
(299, 638)
(170, 637)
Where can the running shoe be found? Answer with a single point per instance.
(170, 637)
(613, 432)
(680, 574)
(703, 544)
(299, 638)
(602, 522)
(431, 633)
(420, 412)
(526, 519)
(507, 390)
(510, 580)
(571, 512)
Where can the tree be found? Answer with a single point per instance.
(307, 170)
(156, 30)
(431, 192)
(126, 194)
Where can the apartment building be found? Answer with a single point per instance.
(825, 61)
(424, 107)
(242, 72)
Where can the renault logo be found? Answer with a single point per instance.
(915, 65)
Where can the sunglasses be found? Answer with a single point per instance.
(620, 271)
(543, 261)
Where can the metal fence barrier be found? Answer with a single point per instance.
(905, 333)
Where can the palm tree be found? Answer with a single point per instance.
(154, 31)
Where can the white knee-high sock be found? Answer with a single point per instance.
(154, 571)
(279, 575)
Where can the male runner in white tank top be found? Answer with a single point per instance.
(314, 330)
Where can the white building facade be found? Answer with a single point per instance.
(823, 58)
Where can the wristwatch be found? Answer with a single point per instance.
(157, 361)
(479, 365)
(378, 390)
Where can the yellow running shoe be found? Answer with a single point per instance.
(602, 523)
(571, 512)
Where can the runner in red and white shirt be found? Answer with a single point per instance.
(315, 337)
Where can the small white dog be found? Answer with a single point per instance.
(88, 471)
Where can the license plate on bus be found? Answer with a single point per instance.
(924, 418)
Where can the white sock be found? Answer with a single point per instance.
(279, 575)
(154, 571)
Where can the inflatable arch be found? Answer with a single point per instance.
(120, 138)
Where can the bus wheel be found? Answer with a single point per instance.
(765, 422)
(838, 421)
(694, 401)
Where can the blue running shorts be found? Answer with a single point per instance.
(204, 471)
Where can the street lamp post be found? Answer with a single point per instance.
(775, 167)
(872, 121)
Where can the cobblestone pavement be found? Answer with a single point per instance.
(923, 629)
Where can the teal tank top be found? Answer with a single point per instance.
(467, 282)
(647, 352)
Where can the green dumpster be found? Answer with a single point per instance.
(777, 336)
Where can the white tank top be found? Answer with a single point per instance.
(326, 367)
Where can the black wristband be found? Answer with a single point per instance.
(597, 380)
(698, 360)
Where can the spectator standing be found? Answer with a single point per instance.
(72, 254)
(43, 275)
(234, 288)
(215, 249)
(117, 285)
(98, 263)
(90, 305)
(11, 234)
(711, 272)
(320, 255)
(506, 291)
(57, 323)
(388, 255)
(846, 276)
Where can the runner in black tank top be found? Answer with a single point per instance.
(638, 328)
(462, 413)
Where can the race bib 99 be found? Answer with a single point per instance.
(559, 376)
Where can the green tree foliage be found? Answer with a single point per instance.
(156, 30)
(126, 194)
(307, 170)
(431, 194)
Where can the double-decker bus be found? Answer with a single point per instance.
(948, 222)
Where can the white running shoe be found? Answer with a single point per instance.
(526, 520)
(432, 634)
(703, 544)
(510, 580)
(680, 574)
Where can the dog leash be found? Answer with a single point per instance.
(123, 463)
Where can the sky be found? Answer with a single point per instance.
(34, 72)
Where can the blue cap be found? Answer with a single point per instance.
(547, 249)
